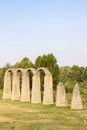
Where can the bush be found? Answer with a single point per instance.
(69, 85)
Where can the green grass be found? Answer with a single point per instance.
(1, 92)
(16, 115)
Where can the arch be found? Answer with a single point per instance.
(48, 86)
(19, 70)
(25, 95)
(30, 69)
(27, 74)
(36, 94)
(45, 70)
(8, 84)
(16, 84)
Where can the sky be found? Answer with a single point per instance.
(29, 28)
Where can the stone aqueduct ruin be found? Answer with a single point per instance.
(17, 86)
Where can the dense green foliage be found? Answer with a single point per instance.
(24, 63)
(71, 75)
(68, 75)
(2, 72)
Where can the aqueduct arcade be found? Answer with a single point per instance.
(17, 85)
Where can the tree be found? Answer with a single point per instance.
(24, 63)
(64, 73)
(49, 61)
(76, 73)
(2, 73)
(84, 74)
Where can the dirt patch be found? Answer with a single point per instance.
(84, 115)
(4, 119)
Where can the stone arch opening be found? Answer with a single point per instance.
(30, 72)
(7, 92)
(17, 84)
(41, 73)
(19, 75)
(48, 86)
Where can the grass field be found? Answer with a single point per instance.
(16, 115)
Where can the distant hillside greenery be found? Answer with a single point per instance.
(68, 75)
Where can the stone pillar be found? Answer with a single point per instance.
(36, 92)
(48, 90)
(61, 100)
(76, 98)
(7, 86)
(16, 86)
(25, 92)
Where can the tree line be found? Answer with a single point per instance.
(68, 75)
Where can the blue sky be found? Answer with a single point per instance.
(29, 28)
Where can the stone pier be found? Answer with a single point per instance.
(7, 85)
(36, 92)
(25, 91)
(76, 98)
(48, 90)
(61, 100)
(16, 92)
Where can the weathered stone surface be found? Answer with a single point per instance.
(76, 98)
(48, 90)
(25, 91)
(7, 85)
(18, 88)
(48, 87)
(36, 92)
(16, 92)
(61, 100)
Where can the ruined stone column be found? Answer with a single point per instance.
(25, 92)
(48, 90)
(36, 92)
(7, 86)
(61, 100)
(76, 98)
(15, 86)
